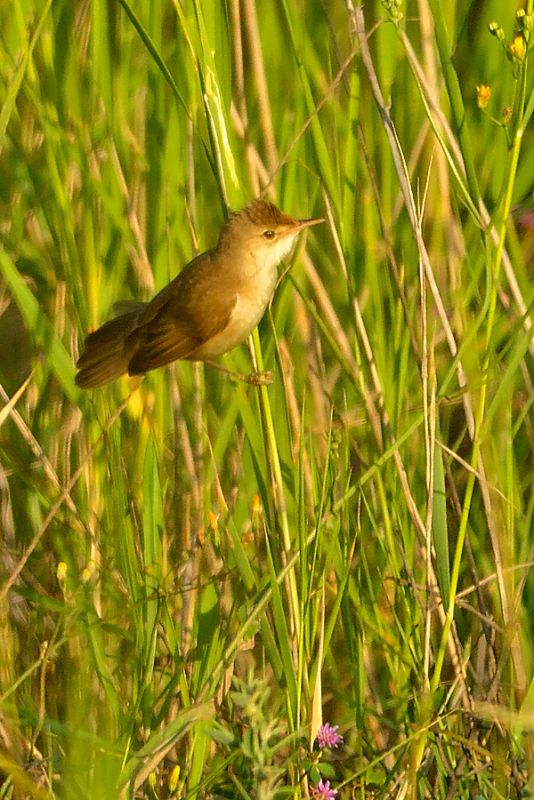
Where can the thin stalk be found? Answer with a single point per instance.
(480, 412)
(455, 97)
(278, 484)
(479, 418)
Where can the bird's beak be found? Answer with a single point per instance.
(307, 223)
(296, 225)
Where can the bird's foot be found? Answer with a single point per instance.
(258, 378)
(254, 378)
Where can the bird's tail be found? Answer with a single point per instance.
(108, 350)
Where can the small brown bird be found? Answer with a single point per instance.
(209, 308)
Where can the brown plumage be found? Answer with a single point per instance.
(209, 308)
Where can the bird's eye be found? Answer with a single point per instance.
(268, 234)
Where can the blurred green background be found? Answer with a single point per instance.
(196, 573)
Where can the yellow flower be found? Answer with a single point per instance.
(89, 572)
(212, 521)
(518, 48)
(483, 95)
(174, 777)
(256, 505)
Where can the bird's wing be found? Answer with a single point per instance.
(184, 315)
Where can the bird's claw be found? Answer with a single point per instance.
(259, 378)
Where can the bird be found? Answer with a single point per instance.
(209, 308)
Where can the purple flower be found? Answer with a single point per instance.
(323, 791)
(327, 736)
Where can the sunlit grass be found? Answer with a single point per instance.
(197, 573)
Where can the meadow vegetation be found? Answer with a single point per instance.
(197, 574)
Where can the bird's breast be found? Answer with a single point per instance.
(252, 297)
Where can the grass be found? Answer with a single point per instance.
(195, 573)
